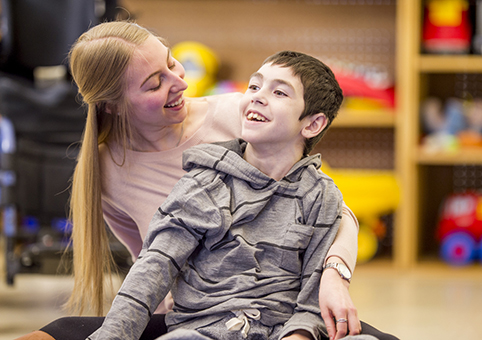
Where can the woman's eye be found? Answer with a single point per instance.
(156, 87)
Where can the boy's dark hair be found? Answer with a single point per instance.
(322, 93)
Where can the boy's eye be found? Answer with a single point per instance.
(253, 87)
(280, 93)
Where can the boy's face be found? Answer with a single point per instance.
(271, 107)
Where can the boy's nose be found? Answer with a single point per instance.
(258, 98)
(257, 101)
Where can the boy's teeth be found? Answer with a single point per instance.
(255, 116)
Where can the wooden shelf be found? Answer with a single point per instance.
(450, 63)
(365, 118)
(458, 157)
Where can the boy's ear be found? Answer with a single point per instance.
(314, 125)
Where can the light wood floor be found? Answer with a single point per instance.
(430, 302)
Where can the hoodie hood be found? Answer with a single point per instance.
(228, 158)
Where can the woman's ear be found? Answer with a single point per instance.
(110, 108)
(314, 125)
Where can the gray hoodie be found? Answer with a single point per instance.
(230, 238)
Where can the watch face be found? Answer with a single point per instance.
(344, 271)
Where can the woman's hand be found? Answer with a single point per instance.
(300, 334)
(166, 305)
(335, 304)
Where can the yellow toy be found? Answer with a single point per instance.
(369, 194)
(201, 65)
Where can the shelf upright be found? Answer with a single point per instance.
(408, 89)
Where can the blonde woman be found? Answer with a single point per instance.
(138, 124)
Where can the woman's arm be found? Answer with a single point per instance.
(334, 298)
(345, 245)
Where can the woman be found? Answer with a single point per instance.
(138, 125)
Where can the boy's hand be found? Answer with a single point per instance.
(300, 334)
(336, 304)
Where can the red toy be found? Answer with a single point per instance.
(460, 228)
(447, 27)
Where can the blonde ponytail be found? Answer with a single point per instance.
(92, 260)
(98, 60)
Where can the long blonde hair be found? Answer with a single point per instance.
(98, 61)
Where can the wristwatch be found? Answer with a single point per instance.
(341, 268)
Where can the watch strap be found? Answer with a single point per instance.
(336, 266)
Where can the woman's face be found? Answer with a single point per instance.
(155, 87)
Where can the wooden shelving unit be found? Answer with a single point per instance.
(420, 169)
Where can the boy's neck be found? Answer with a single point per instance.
(275, 164)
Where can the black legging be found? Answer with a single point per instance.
(79, 328)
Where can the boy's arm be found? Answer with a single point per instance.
(172, 237)
(146, 284)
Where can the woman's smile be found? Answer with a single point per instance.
(179, 103)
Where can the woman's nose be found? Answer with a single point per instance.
(181, 84)
(178, 82)
(179, 74)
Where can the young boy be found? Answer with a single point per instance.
(242, 238)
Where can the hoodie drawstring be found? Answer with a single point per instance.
(241, 322)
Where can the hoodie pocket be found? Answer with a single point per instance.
(297, 239)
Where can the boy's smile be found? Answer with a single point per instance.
(255, 116)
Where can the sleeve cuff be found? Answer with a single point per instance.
(307, 321)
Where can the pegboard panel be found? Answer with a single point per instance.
(357, 34)
(358, 148)
(468, 86)
(465, 86)
(467, 178)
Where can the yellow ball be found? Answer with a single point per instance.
(201, 66)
